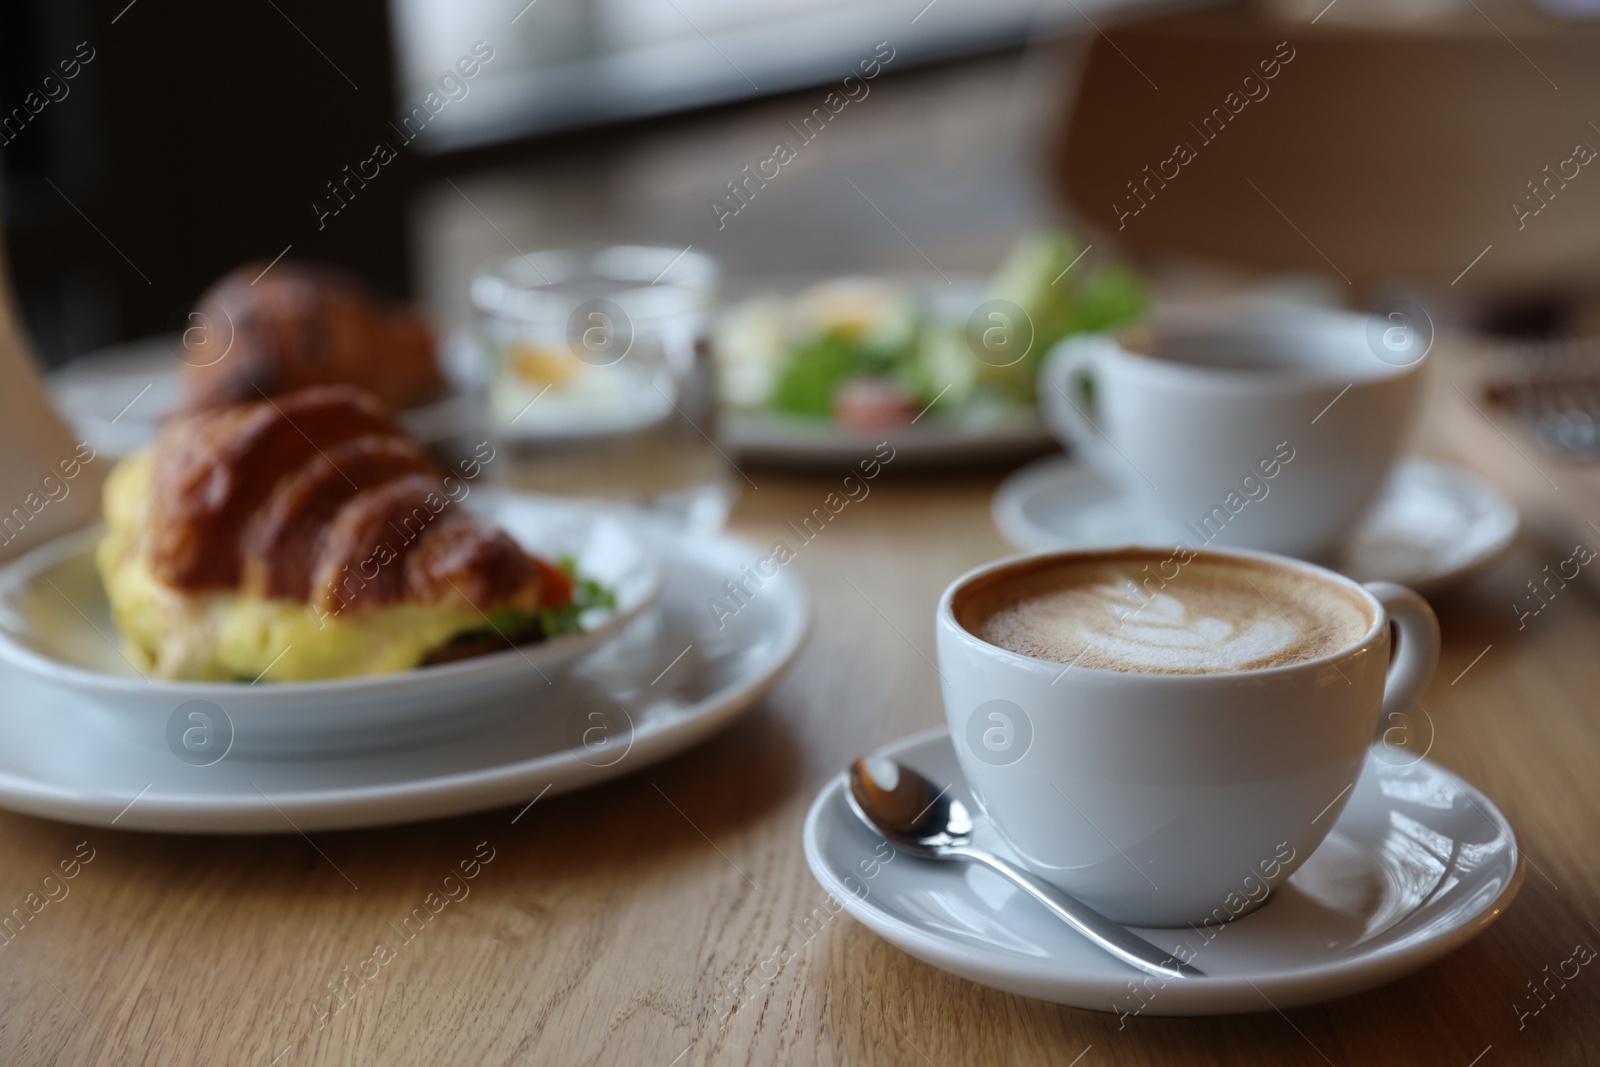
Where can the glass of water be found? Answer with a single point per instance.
(599, 377)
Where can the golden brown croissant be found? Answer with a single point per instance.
(256, 334)
(309, 522)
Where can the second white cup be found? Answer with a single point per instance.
(1271, 429)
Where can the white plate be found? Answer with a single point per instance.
(670, 679)
(55, 626)
(1431, 526)
(116, 398)
(1418, 864)
(937, 440)
(973, 435)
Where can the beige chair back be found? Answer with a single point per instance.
(1376, 155)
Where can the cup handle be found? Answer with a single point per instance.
(1062, 399)
(1416, 655)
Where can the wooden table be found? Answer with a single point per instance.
(606, 926)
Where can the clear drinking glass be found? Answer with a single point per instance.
(599, 378)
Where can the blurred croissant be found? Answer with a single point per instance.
(263, 330)
(308, 534)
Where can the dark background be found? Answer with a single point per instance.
(198, 138)
(195, 139)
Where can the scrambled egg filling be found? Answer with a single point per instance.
(225, 636)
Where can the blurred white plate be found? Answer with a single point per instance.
(116, 398)
(776, 440)
(1432, 525)
(975, 434)
(1418, 863)
(667, 681)
(55, 626)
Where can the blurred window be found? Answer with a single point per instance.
(565, 63)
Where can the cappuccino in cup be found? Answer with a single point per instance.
(1148, 727)
(1114, 611)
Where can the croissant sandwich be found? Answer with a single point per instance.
(310, 537)
(258, 332)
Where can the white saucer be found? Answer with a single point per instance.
(1432, 525)
(1418, 864)
(668, 680)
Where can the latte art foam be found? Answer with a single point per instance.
(1116, 612)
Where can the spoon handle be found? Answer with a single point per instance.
(1112, 937)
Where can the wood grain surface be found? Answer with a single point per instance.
(611, 925)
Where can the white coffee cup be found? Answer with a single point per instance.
(1269, 428)
(1173, 799)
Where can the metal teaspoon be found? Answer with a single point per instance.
(920, 819)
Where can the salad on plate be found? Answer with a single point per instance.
(873, 353)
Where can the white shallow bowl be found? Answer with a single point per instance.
(55, 625)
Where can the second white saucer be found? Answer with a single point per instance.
(1418, 863)
(1431, 526)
